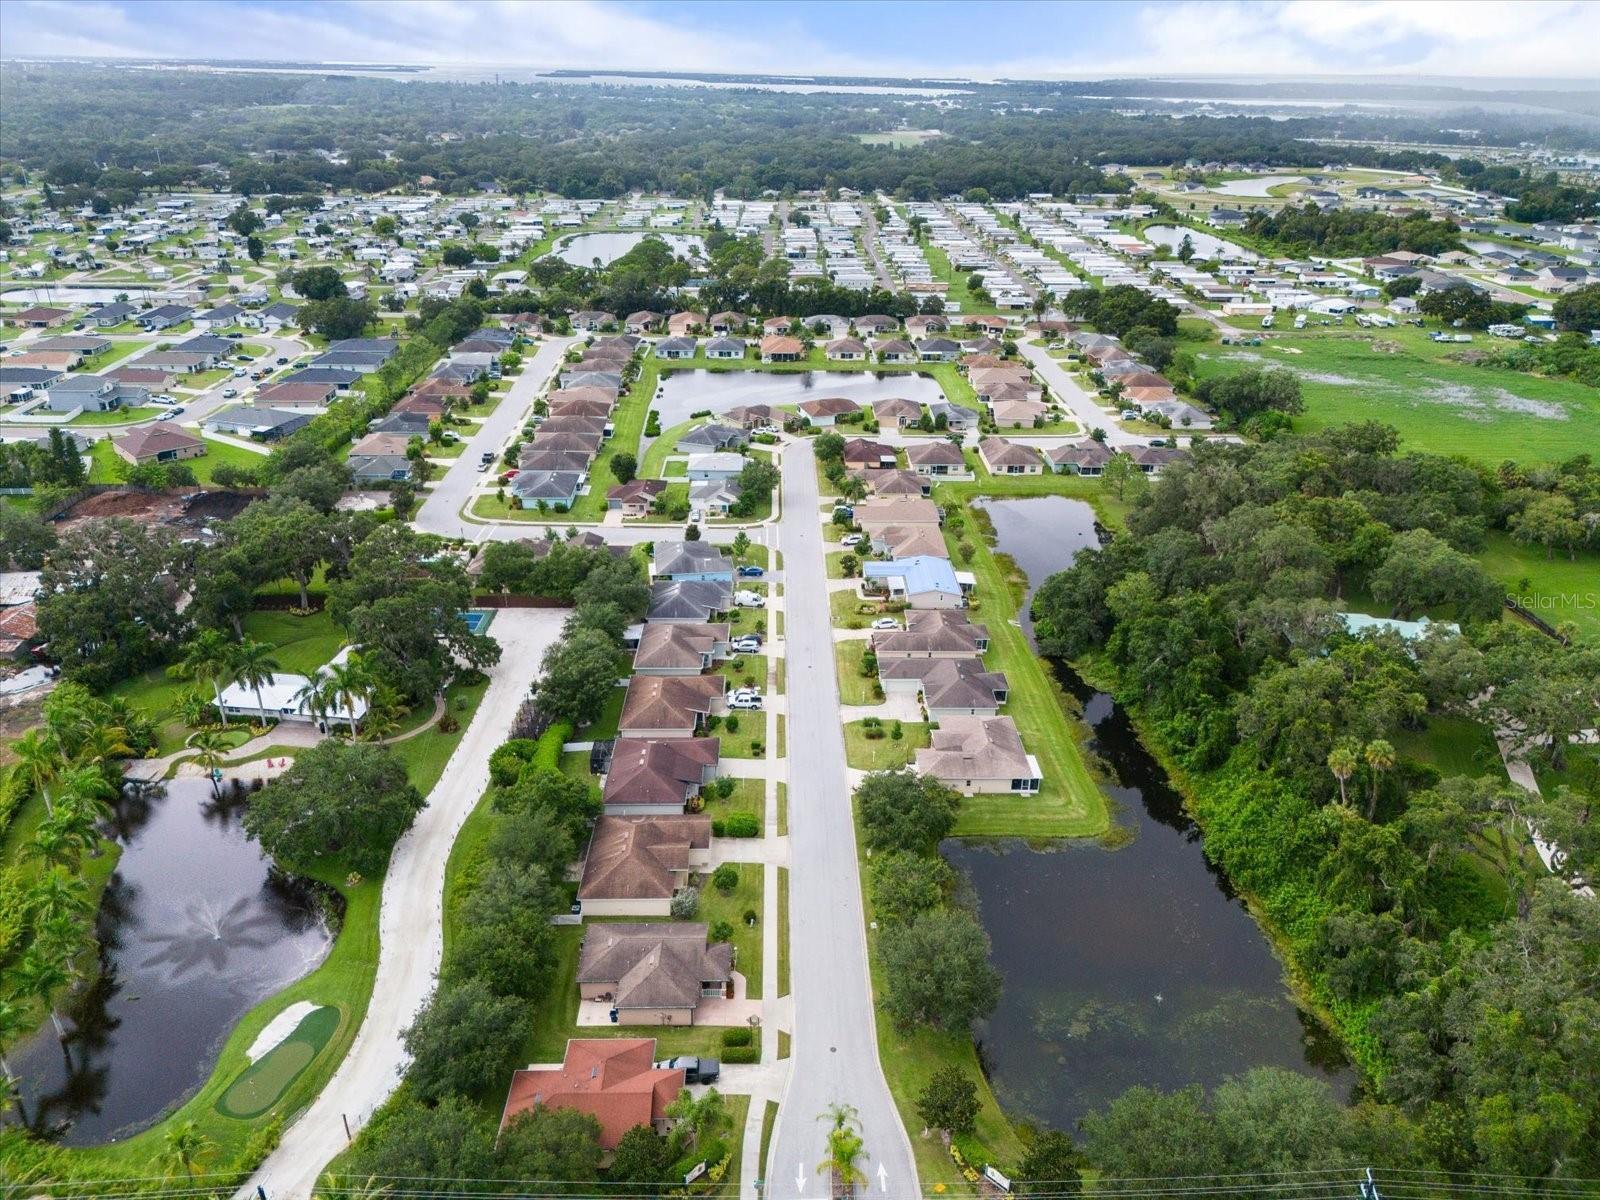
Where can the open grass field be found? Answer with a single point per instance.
(106, 466)
(885, 753)
(854, 686)
(1438, 404)
(1557, 588)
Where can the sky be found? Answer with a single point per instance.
(1014, 38)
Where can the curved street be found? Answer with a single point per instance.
(411, 922)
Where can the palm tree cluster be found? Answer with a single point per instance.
(211, 658)
(71, 765)
(845, 1149)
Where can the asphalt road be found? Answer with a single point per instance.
(835, 1042)
(411, 922)
(441, 511)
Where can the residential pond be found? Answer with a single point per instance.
(196, 927)
(1128, 966)
(582, 249)
(681, 393)
(1205, 245)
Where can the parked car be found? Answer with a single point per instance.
(229, 393)
(161, 399)
(695, 1070)
(283, 360)
(852, 539)
(886, 623)
(751, 572)
(750, 643)
(240, 372)
(744, 701)
(177, 410)
(749, 599)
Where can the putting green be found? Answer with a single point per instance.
(261, 1083)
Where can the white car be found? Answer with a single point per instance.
(749, 599)
(229, 393)
(886, 623)
(240, 372)
(749, 644)
(744, 700)
(852, 539)
(167, 416)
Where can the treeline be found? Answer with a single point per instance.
(98, 131)
(1408, 898)
(1535, 196)
(1346, 233)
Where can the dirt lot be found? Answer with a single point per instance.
(188, 510)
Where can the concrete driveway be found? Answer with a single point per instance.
(410, 925)
(835, 1057)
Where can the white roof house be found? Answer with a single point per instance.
(278, 699)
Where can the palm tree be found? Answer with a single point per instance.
(349, 680)
(316, 696)
(13, 1023)
(1342, 762)
(89, 788)
(209, 747)
(39, 763)
(64, 837)
(207, 659)
(845, 1148)
(253, 666)
(1380, 757)
(101, 745)
(39, 974)
(55, 894)
(185, 1145)
(701, 1118)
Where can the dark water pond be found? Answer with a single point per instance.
(1135, 966)
(685, 392)
(583, 249)
(196, 928)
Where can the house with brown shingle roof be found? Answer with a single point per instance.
(980, 755)
(1087, 457)
(1017, 414)
(897, 412)
(310, 395)
(823, 412)
(669, 706)
(653, 776)
(868, 455)
(895, 350)
(727, 322)
(909, 541)
(635, 865)
(1004, 457)
(682, 323)
(637, 497)
(776, 348)
(893, 482)
(157, 442)
(653, 973)
(949, 687)
(846, 349)
(614, 1080)
(941, 459)
(680, 649)
(932, 633)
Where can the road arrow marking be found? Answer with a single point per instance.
(799, 1178)
(883, 1178)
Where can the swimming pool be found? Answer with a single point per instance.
(477, 619)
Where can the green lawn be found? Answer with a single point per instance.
(1442, 406)
(628, 424)
(748, 796)
(605, 725)
(885, 753)
(653, 464)
(854, 686)
(911, 1058)
(106, 466)
(1452, 746)
(426, 755)
(1070, 804)
(1559, 589)
(746, 897)
(742, 742)
(118, 416)
(301, 643)
(783, 931)
(746, 670)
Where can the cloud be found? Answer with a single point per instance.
(1542, 38)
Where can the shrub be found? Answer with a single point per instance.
(738, 1035)
(739, 825)
(720, 931)
(725, 786)
(741, 1054)
(725, 878)
(731, 723)
(751, 916)
(685, 904)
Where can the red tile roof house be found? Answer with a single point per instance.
(614, 1080)
(654, 777)
(157, 443)
(634, 866)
